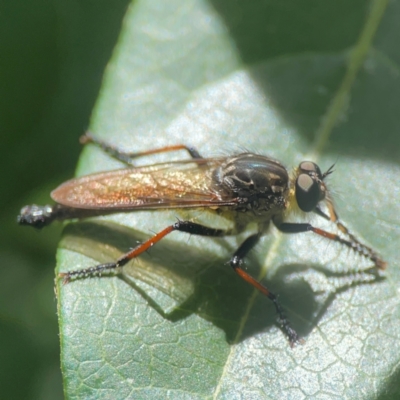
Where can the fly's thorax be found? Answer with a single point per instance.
(260, 184)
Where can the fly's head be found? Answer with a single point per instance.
(309, 184)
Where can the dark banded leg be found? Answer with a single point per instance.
(351, 243)
(370, 253)
(195, 229)
(237, 261)
(182, 226)
(127, 158)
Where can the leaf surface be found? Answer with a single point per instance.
(180, 323)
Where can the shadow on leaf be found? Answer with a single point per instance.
(179, 281)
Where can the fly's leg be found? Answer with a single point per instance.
(351, 243)
(127, 158)
(236, 263)
(182, 226)
(370, 253)
(195, 229)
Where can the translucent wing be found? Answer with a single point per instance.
(186, 183)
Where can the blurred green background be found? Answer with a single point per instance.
(53, 55)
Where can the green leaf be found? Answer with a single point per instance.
(291, 80)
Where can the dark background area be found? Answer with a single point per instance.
(53, 57)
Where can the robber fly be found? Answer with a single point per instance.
(245, 188)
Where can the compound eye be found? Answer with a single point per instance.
(309, 167)
(307, 192)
